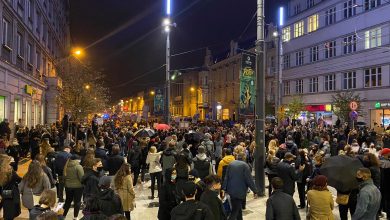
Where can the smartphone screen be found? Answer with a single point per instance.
(59, 206)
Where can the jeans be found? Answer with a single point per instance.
(153, 177)
(60, 188)
(236, 213)
(73, 194)
(136, 171)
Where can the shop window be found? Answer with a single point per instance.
(17, 110)
(2, 108)
(225, 114)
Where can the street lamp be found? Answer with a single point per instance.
(192, 89)
(152, 93)
(87, 87)
(167, 24)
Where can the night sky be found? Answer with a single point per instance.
(124, 38)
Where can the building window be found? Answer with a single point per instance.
(29, 9)
(7, 32)
(39, 22)
(349, 8)
(17, 110)
(314, 54)
(29, 53)
(312, 23)
(286, 34)
(38, 60)
(313, 85)
(373, 77)
(21, 8)
(298, 29)
(370, 4)
(2, 108)
(19, 42)
(330, 49)
(286, 61)
(330, 82)
(310, 3)
(349, 44)
(299, 86)
(299, 58)
(330, 16)
(349, 80)
(286, 88)
(297, 8)
(373, 38)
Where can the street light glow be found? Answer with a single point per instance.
(281, 16)
(169, 5)
(192, 89)
(275, 34)
(219, 107)
(167, 29)
(87, 86)
(167, 22)
(151, 92)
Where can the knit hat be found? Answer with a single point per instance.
(320, 181)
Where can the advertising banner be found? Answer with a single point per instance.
(158, 102)
(247, 85)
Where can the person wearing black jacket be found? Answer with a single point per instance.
(91, 177)
(167, 196)
(59, 164)
(286, 171)
(101, 152)
(210, 197)
(134, 158)
(191, 209)
(109, 202)
(114, 161)
(303, 159)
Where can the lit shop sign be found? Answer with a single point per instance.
(28, 89)
(318, 108)
(382, 105)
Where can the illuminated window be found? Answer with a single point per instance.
(286, 34)
(312, 23)
(298, 29)
(373, 38)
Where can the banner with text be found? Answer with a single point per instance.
(247, 85)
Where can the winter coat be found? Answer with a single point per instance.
(11, 206)
(113, 164)
(90, 181)
(27, 192)
(93, 216)
(270, 166)
(218, 149)
(237, 180)
(168, 158)
(385, 186)
(224, 162)
(210, 198)
(109, 202)
(36, 211)
(167, 197)
(102, 154)
(368, 201)
(281, 206)
(292, 147)
(126, 193)
(191, 210)
(153, 159)
(321, 204)
(202, 164)
(73, 175)
(60, 162)
(134, 157)
(289, 175)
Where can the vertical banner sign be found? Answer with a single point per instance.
(159, 102)
(247, 85)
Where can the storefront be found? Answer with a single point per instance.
(380, 114)
(317, 113)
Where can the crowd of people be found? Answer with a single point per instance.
(203, 171)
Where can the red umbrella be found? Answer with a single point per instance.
(163, 127)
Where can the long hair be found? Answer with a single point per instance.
(121, 174)
(34, 174)
(89, 158)
(45, 148)
(374, 161)
(41, 159)
(5, 169)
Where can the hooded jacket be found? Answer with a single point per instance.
(202, 164)
(74, 174)
(168, 158)
(224, 162)
(292, 147)
(90, 182)
(109, 202)
(191, 210)
(36, 211)
(210, 198)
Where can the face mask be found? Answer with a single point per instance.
(99, 169)
(359, 179)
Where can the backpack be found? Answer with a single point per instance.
(202, 166)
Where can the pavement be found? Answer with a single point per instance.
(146, 208)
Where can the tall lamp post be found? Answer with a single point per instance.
(260, 102)
(167, 24)
(280, 63)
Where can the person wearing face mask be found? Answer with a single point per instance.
(369, 197)
(90, 180)
(168, 198)
(73, 173)
(210, 196)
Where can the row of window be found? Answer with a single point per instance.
(372, 78)
(348, 44)
(348, 10)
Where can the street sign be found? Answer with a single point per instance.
(353, 115)
(353, 105)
